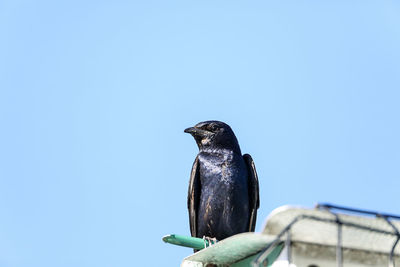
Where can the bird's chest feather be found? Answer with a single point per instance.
(224, 194)
(219, 169)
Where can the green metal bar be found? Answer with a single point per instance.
(187, 241)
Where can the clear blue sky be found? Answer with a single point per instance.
(95, 95)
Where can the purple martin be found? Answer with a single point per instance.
(223, 195)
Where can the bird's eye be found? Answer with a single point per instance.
(212, 127)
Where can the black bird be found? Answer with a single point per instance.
(223, 190)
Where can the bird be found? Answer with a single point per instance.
(223, 195)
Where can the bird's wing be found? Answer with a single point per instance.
(254, 197)
(194, 196)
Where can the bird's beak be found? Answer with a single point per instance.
(190, 130)
(197, 132)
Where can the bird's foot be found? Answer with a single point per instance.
(209, 241)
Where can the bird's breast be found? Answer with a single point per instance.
(217, 168)
(223, 207)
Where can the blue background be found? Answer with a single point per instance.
(95, 95)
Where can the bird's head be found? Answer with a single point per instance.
(214, 135)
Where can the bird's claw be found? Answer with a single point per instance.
(209, 241)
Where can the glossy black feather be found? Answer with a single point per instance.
(254, 197)
(194, 196)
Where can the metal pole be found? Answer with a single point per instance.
(391, 255)
(339, 251)
(391, 258)
(369, 212)
(188, 241)
(289, 247)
